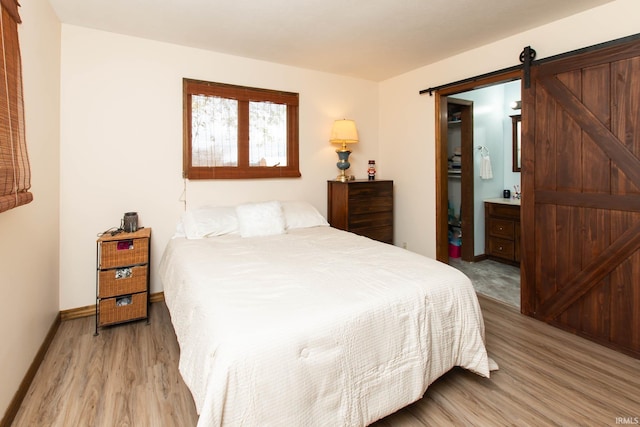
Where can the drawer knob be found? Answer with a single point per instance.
(500, 228)
(500, 248)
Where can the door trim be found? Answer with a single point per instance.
(466, 177)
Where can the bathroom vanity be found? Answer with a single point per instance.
(502, 230)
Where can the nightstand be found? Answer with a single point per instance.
(363, 207)
(122, 277)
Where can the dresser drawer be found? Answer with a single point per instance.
(124, 252)
(371, 205)
(382, 234)
(503, 228)
(501, 248)
(368, 190)
(377, 219)
(121, 281)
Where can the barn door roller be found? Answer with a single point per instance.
(526, 58)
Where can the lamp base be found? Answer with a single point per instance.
(343, 164)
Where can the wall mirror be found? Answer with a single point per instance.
(517, 146)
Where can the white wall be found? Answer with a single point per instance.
(29, 234)
(121, 140)
(407, 119)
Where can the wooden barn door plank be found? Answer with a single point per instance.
(581, 195)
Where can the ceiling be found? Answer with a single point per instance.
(369, 39)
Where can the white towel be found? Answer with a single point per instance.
(485, 168)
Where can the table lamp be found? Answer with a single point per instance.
(343, 132)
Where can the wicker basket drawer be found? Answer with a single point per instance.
(123, 308)
(124, 252)
(119, 281)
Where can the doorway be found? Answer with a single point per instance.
(442, 159)
(487, 101)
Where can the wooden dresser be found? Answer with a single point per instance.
(502, 230)
(362, 207)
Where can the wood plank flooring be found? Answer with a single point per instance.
(128, 376)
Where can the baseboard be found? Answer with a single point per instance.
(76, 313)
(157, 297)
(90, 310)
(14, 406)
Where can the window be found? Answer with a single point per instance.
(239, 132)
(15, 173)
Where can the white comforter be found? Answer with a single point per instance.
(315, 327)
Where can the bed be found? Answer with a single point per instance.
(283, 320)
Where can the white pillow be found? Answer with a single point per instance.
(260, 219)
(209, 221)
(299, 214)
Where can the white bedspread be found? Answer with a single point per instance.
(315, 327)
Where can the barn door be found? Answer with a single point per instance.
(581, 194)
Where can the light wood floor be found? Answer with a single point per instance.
(128, 376)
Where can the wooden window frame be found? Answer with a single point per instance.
(243, 95)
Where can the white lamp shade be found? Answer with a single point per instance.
(344, 132)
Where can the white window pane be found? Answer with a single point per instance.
(214, 131)
(267, 134)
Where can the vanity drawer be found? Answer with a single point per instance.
(503, 210)
(501, 248)
(503, 228)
